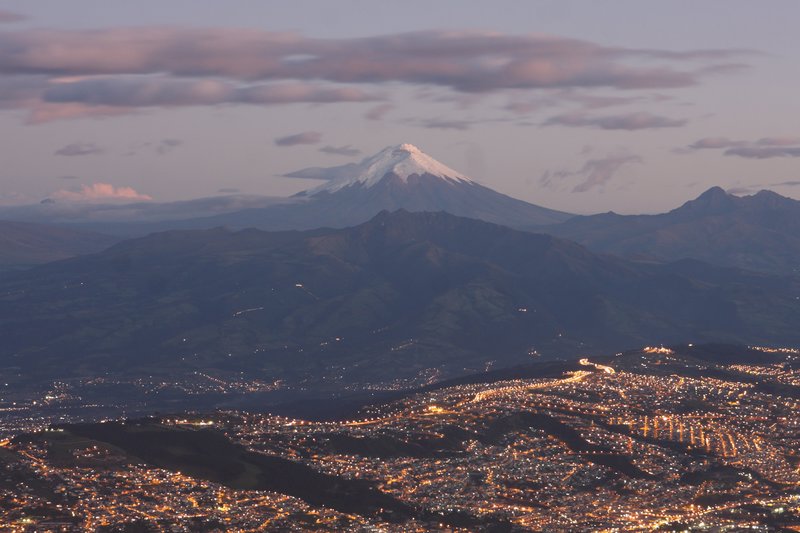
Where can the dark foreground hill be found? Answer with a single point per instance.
(395, 297)
(24, 244)
(758, 232)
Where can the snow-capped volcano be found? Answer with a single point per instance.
(404, 177)
(400, 161)
(397, 177)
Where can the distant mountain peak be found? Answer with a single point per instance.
(401, 160)
(767, 196)
(716, 200)
(713, 200)
(715, 191)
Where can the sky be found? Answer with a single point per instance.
(581, 106)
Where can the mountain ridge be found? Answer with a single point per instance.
(25, 244)
(401, 295)
(757, 232)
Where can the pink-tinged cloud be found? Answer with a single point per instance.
(152, 91)
(630, 121)
(306, 137)
(78, 149)
(100, 192)
(42, 112)
(7, 17)
(467, 61)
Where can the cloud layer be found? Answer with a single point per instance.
(68, 73)
(464, 60)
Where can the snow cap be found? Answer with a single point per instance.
(401, 160)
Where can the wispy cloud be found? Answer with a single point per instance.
(714, 143)
(778, 141)
(323, 173)
(446, 124)
(378, 112)
(594, 173)
(591, 101)
(764, 152)
(78, 149)
(165, 146)
(629, 121)
(161, 147)
(740, 191)
(306, 137)
(348, 150)
(763, 148)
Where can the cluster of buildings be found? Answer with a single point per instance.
(629, 445)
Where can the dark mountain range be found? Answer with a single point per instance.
(758, 232)
(394, 297)
(23, 244)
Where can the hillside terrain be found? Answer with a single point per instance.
(403, 295)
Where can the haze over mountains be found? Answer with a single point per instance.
(397, 177)
(396, 296)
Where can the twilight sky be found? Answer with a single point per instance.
(582, 106)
